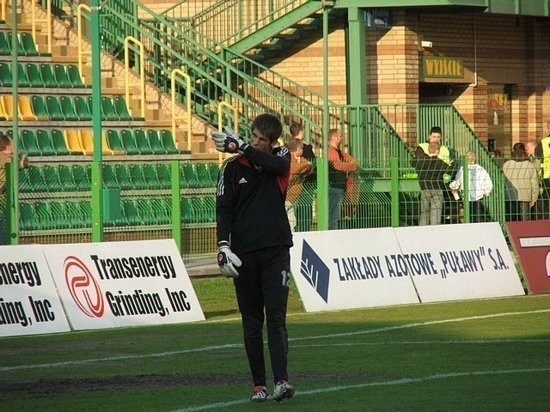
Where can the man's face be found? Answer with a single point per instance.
(434, 140)
(530, 149)
(8, 150)
(259, 141)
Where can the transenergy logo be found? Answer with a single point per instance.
(315, 271)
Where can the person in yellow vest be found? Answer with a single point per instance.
(542, 153)
(434, 166)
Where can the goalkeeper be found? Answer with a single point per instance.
(254, 239)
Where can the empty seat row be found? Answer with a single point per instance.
(77, 214)
(41, 75)
(139, 141)
(139, 176)
(63, 108)
(25, 44)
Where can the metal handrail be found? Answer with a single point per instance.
(141, 82)
(187, 117)
(47, 20)
(79, 17)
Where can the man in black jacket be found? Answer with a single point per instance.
(254, 239)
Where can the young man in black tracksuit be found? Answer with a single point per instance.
(254, 239)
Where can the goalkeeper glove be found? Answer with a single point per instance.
(227, 260)
(229, 141)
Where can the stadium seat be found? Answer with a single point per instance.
(5, 42)
(121, 108)
(108, 110)
(5, 75)
(27, 45)
(68, 108)
(137, 176)
(22, 79)
(81, 176)
(47, 75)
(66, 178)
(142, 142)
(164, 175)
(45, 143)
(81, 108)
(85, 213)
(33, 74)
(30, 142)
(39, 107)
(61, 76)
(74, 76)
(74, 215)
(59, 143)
(146, 212)
(51, 178)
(73, 142)
(86, 141)
(168, 142)
(189, 176)
(37, 179)
(151, 177)
(25, 184)
(130, 212)
(209, 203)
(203, 175)
(128, 142)
(155, 142)
(123, 177)
(7, 105)
(28, 219)
(162, 208)
(113, 140)
(109, 176)
(54, 108)
(187, 212)
(25, 109)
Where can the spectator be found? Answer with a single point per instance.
(341, 165)
(300, 169)
(303, 205)
(542, 154)
(434, 165)
(479, 186)
(522, 175)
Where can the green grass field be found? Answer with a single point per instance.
(490, 355)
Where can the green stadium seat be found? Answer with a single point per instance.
(5, 42)
(142, 142)
(33, 75)
(130, 212)
(25, 184)
(203, 175)
(145, 211)
(168, 142)
(108, 111)
(74, 215)
(74, 76)
(30, 142)
(128, 142)
(187, 212)
(61, 76)
(66, 179)
(45, 143)
(58, 141)
(58, 215)
(5, 75)
(209, 203)
(164, 175)
(27, 45)
(44, 215)
(51, 177)
(68, 108)
(109, 176)
(137, 176)
(54, 108)
(22, 79)
(85, 212)
(47, 75)
(190, 175)
(162, 208)
(155, 142)
(81, 108)
(39, 107)
(123, 177)
(81, 176)
(151, 177)
(121, 108)
(113, 140)
(28, 219)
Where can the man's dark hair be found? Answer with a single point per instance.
(5, 141)
(436, 129)
(269, 125)
(295, 129)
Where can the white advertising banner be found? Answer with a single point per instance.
(29, 303)
(379, 267)
(112, 284)
(470, 261)
(343, 269)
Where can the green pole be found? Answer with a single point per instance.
(466, 188)
(13, 206)
(394, 189)
(176, 203)
(97, 206)
(322, 162)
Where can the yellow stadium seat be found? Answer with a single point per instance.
(7, 105)
(72, 139)
(25, 109)
(87, 141)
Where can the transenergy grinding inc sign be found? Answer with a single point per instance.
(104, 285)
(377, 267)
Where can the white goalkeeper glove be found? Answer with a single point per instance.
(229, 142)
(227, 260)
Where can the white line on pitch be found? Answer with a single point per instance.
(238, 345)
(401, 381)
